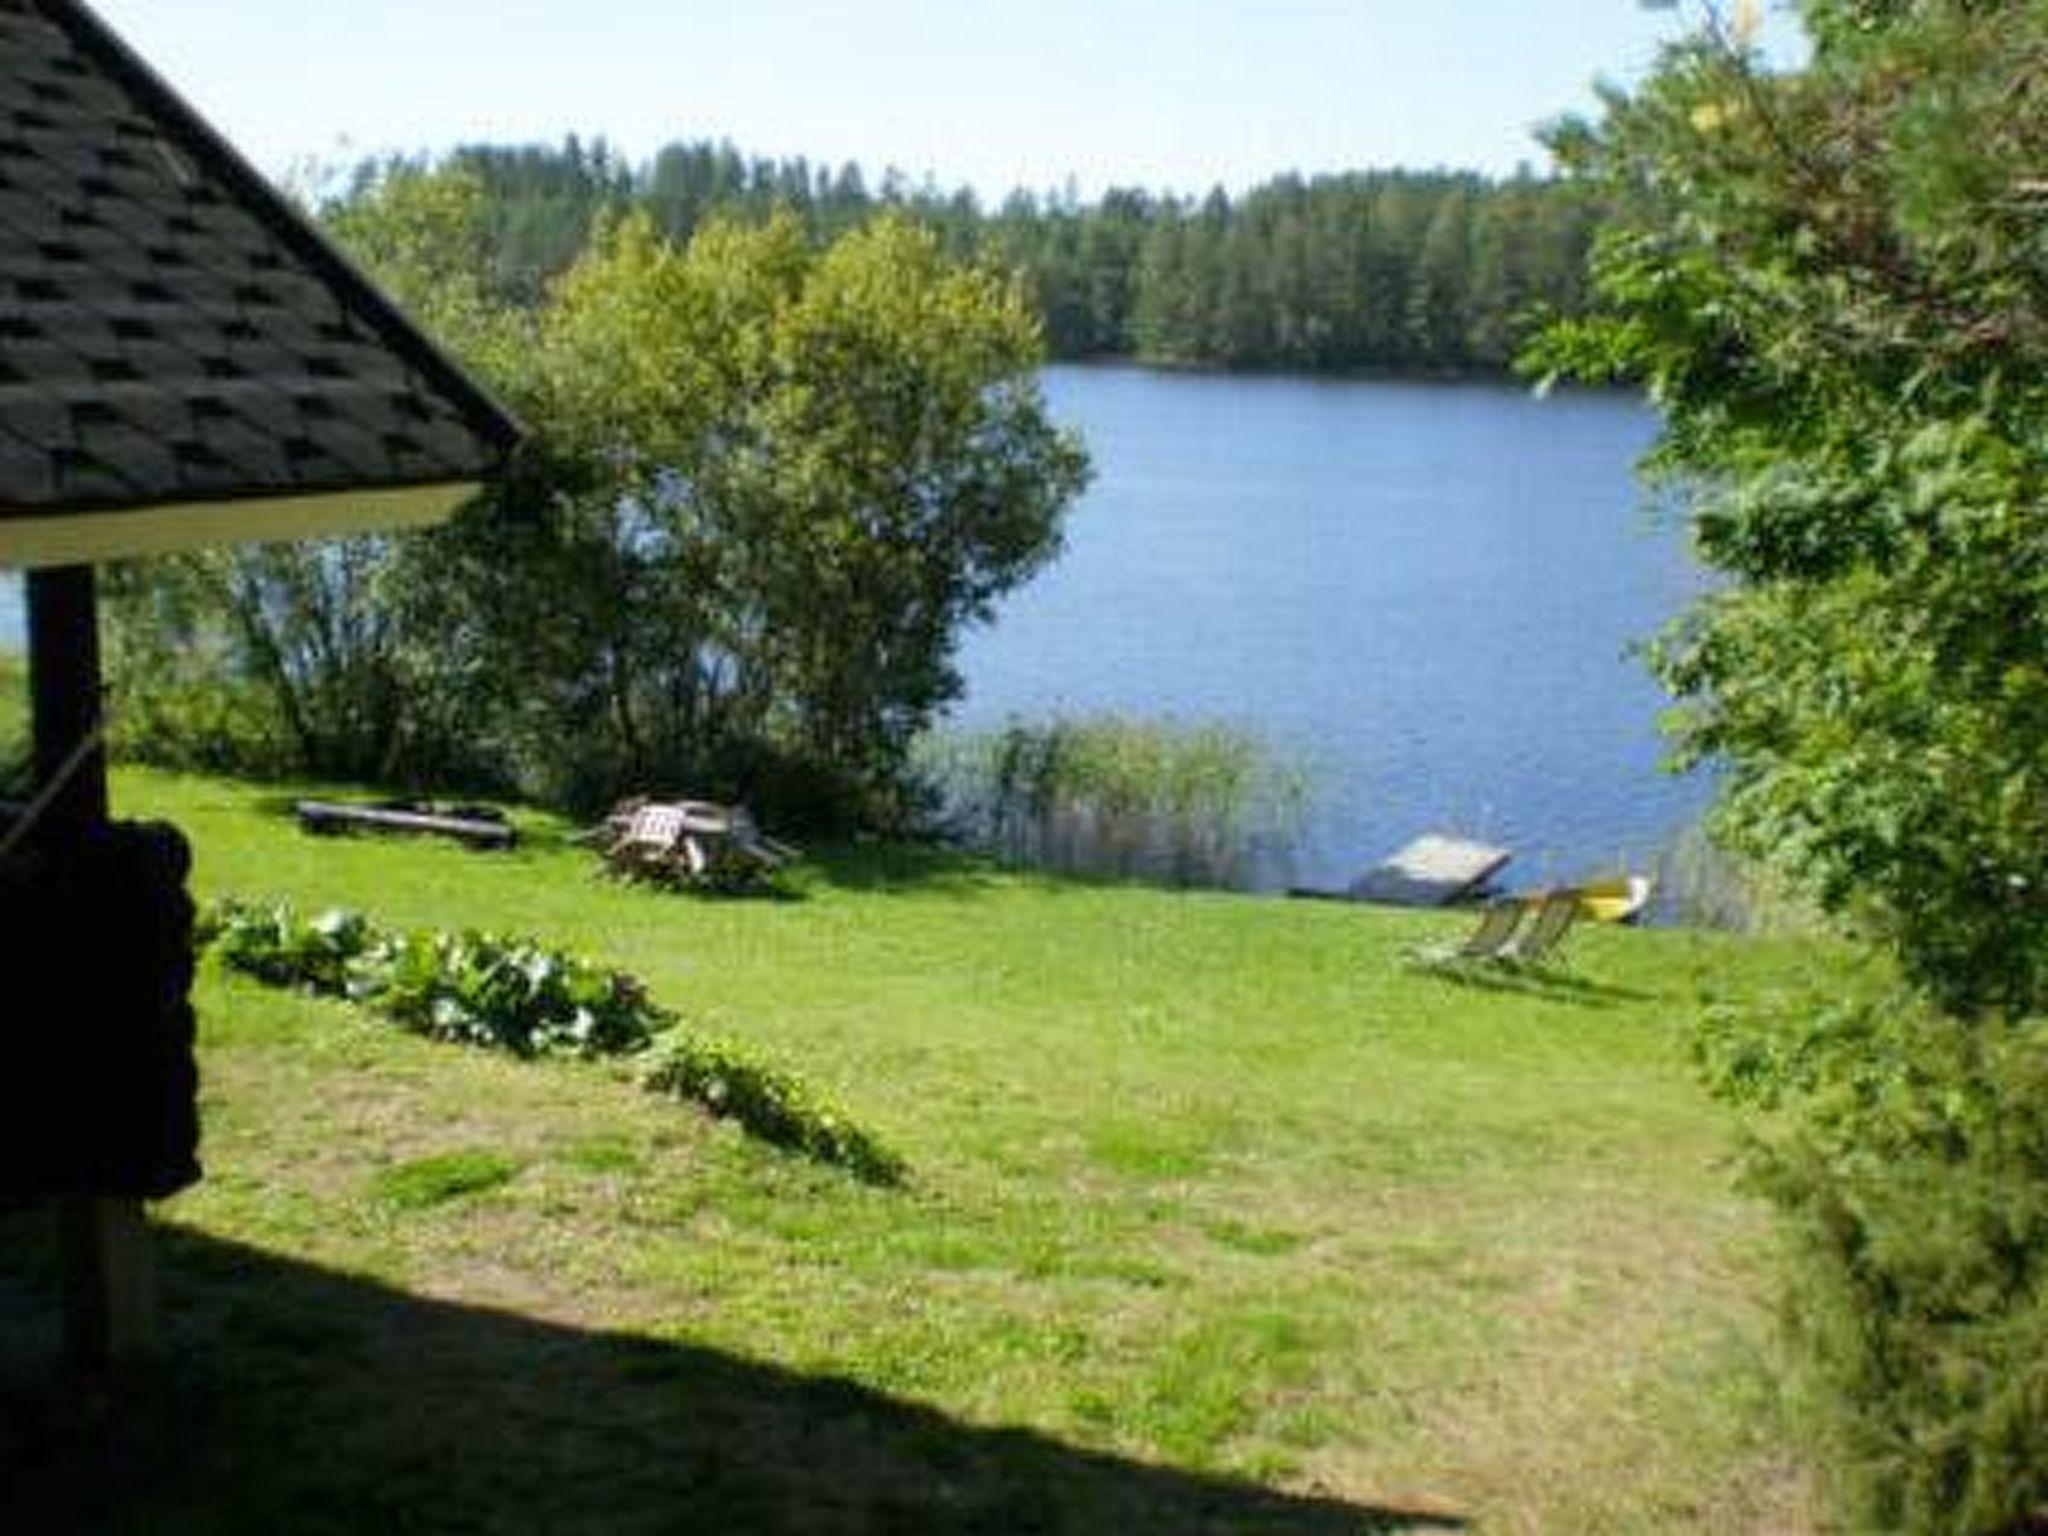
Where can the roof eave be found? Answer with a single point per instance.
(32, 538)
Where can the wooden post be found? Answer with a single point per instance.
(64, 684)
(108, 1308)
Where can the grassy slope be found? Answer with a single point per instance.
(1209, 1192)
(13, 712)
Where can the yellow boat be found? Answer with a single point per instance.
(1615, 898)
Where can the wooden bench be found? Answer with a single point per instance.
(334, 816)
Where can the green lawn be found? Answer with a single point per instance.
(13, 716)
(1220, 1218)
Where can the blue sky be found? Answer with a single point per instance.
(1172, 94)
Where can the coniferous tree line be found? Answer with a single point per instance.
(1402, 270)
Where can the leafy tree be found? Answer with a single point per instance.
(1834, 283)
(310, 656)
(769, 484)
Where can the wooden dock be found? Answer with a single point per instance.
(1432, 871)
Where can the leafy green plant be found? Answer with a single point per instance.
(770, 1104)
(1908, 1155)
(480, 989)
(514, 994)
(276, 945)
(522, 996)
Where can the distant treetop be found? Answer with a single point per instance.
(1424, 271)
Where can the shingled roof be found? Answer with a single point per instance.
(183, 359)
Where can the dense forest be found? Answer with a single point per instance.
(1427, 271)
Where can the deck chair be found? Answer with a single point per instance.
(1494, 932)
(1555, 913)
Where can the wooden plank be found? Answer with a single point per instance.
(331, 816)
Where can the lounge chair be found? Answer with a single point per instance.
(1488, 940)
(1616, 899)
(1555, 913)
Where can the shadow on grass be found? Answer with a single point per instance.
(1547, 981)
(281, 803)
(295, 1399)
(776, 889)
(885, 867)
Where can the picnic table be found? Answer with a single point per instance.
(695, 842)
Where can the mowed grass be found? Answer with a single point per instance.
(14, 740)
(1220, 1217)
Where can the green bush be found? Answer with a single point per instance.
(276, 945)
(1910, 1158)
(475, 988)
(521, 996)
(514, 994)
(196, 726)
(770, 1105)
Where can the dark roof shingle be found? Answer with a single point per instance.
(171, 330)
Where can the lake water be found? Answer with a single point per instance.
(1425, 592)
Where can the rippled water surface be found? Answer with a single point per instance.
(1426, 591)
